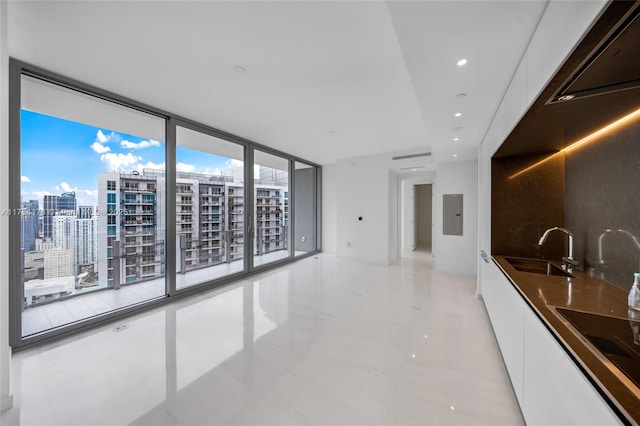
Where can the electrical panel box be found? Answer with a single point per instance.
(452, 214)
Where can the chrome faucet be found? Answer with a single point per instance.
(607, 232)
(568, 262)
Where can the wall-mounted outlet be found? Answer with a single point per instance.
(303, 239)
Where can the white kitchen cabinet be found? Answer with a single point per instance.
(506, 311)
(556, 392)
(549, 386)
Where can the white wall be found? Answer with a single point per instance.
(5, 351)
(365, 187)
(455, 253)
(362, 191)
(407, 216)
(329, 208)
(394, 207)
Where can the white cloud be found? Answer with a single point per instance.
(234, 163)
(111, 137)
(67, 188)
(25, 179)
(182, 167)
(139, 145)
(99, 148)
(148, 165)
(119, 162)
(100, 137)
(91, 193)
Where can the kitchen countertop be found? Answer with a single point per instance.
(587, 293)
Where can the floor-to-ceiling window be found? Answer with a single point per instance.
(117, 205)
(271, 211)
(92, 230)
(209, 207)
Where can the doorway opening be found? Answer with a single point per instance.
(416, 215)
(423, 223)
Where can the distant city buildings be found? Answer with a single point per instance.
(54, 204)
(122, 240)
(58, 263)
(29, 225)
(62, 226)
(209, 222)
(85, 238)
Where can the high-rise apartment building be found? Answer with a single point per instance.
(235, 221)
(84, 238)
(271, 232)
(29, 225)
(76, 233)
(211, 226)
(130, 228)
(85, 212)
(209, 223)
(62, 231)
(65, 202)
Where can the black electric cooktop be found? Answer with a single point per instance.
(616, 338)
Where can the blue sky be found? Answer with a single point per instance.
(58, 155)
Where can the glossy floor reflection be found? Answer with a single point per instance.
(325, 340)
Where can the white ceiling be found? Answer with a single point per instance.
(325, 80)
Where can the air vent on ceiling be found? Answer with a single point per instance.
(404, 157)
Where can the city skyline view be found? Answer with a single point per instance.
(74, 153)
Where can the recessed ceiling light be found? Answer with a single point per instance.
(239, 69)
(456, 139)
(455, 155)
(457, 114)
(413, 170)
(462, 62)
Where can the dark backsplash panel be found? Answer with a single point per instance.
(602, 181)
(522, 208)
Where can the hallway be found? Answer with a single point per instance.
(325, 340)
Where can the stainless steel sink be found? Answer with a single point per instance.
(537, 266)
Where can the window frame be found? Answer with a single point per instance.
(17, 69)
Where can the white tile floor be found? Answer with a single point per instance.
(325, 340)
